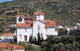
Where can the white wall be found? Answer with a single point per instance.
(7, 37)
(23, 32)
(39, 17)
(18, 50)
(42, 29)
(6, 50)
(13, 50)
(51, 31)
(34, 31)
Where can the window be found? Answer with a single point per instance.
(38, 17)
(25, 29)
(20, 19)
(20, 36)
(38, 27)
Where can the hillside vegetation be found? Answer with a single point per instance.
(64, 12)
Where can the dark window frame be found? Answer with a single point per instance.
(20, 19)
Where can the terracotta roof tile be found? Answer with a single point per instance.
(23, 25)
(49, 23)
(38, 13)
(7, 34)
(29, 23)
(9, 46)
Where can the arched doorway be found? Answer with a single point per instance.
(25, 38)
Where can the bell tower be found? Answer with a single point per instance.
(38, 23)
(20, 19)
(38, 16)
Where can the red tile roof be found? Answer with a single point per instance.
(7, 34)
(9, 46)
(38, 13)
(49, 23)
(29, 23)
(23, 25)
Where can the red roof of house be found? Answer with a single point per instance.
(29, 23)
(7, 34)
(9, 46)
(49, 23)
(38, 13)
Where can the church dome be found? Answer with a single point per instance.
(38, 13)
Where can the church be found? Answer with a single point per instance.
(26, 28)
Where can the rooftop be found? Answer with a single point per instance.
(29, 23)
(38, 13)
(9, 46)
(7, 34)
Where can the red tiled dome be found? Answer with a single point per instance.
(38, 13)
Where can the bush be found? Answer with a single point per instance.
(31, 48)
(2, 11)
(36, 40)
(63, 43)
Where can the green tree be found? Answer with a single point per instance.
(29, 48)
(63, 43)
(75, 46)
(68, 47)
(31, 39)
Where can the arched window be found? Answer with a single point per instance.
(38, 27)
(20, 36)
(20, 19)
(38, 17)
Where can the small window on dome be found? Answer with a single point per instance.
(20, 19)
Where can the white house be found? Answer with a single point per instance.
(26, 28)
(10, 47)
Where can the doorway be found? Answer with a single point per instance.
(25, 38)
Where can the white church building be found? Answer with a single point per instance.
(26, 28)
